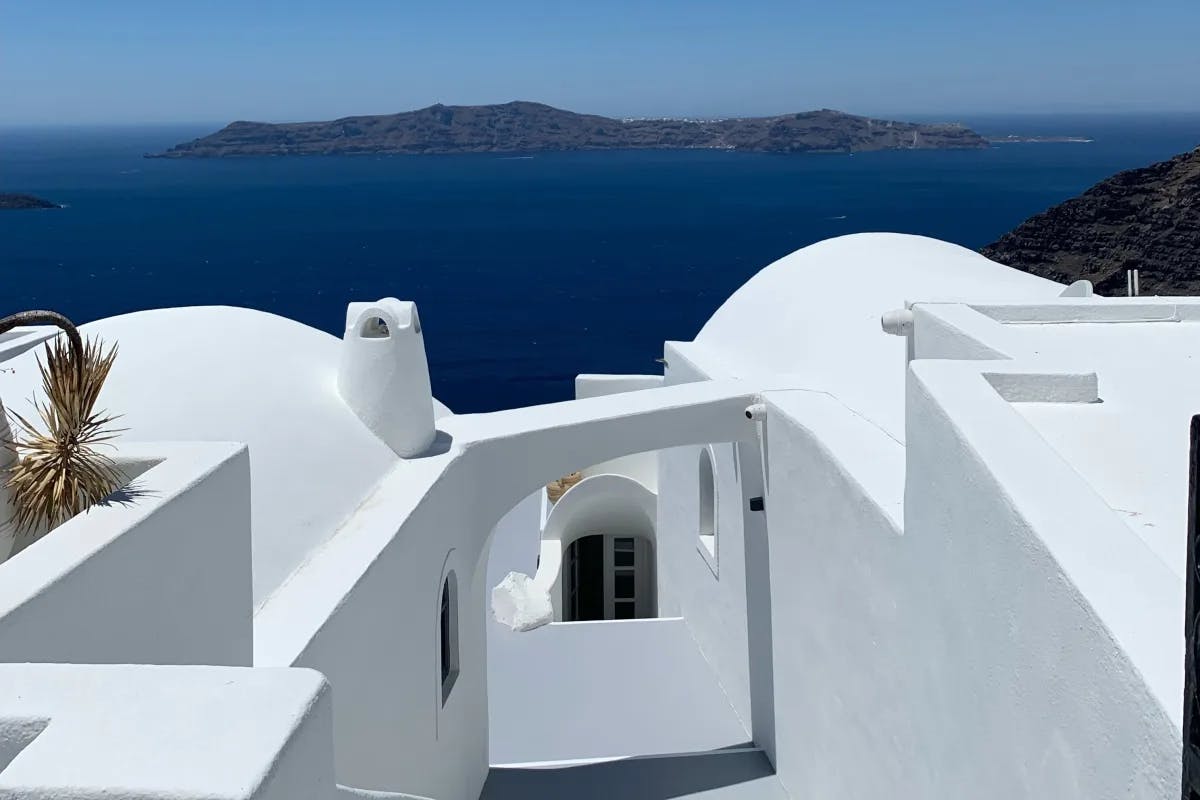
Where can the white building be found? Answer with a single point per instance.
(810, 560)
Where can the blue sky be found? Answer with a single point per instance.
(88, 61)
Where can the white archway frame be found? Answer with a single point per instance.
(594, 505)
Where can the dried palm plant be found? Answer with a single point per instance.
(59, 471)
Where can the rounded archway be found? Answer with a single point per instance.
(598, 551)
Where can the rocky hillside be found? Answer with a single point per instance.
(523, 127)
(1146, 219)
(13, 201)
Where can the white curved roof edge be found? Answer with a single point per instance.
(814, 316)
(99, 326)
(818, 283)
(232, 374)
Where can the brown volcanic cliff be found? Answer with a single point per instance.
(523, 127)
(1146, 219)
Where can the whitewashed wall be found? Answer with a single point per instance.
(377, 642)
(1060, 663)
(952, 654)
(708, 592)
(841, 639)
(614, 689)
(516, 541)
(364, 610)
(642, 467)
(130, 732)
(161, 578)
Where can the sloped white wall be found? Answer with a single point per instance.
(379, 651)
(1034, 679)
(162, 578)
(842, 649)
(130, 732)
(709, 593)
(952, 656)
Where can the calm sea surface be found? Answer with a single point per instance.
(527, 270)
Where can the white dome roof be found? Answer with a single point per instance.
(814, 314)
(237, 375)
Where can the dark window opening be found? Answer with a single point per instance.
(448, 635)
(608, 577)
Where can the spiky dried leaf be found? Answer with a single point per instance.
(59, 472)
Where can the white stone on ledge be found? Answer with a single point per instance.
(520, 604)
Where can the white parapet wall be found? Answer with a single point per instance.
(632, 687)
(158, 574)
(985, 627)
(187, 733)
(1065, 641)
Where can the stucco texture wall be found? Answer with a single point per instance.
(131, 732)
(947, 658)
(642, 467)
(364, 610)
(162, 578)
(379, 650)
(708, 592)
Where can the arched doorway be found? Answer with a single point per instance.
(608, 576)
(598, 551)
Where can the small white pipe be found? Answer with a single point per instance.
(898, 322)
(1129, 283)
(1137, 290)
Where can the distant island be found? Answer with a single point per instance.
(1013, 138)
(10, 201)
(1146, 219)
(524, 127)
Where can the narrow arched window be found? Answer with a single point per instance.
(448, 635)
(708, 504)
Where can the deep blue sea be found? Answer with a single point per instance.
(526, 270)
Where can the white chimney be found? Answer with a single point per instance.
(384, 376)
